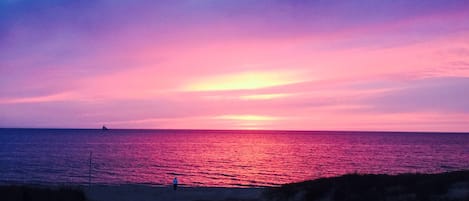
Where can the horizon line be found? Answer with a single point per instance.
(204, 129)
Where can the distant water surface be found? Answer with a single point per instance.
(219, 158)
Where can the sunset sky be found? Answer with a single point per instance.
(395, 65)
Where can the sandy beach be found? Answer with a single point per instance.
(148, 193)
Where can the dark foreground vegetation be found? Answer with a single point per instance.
(451, 186)
(24, 193)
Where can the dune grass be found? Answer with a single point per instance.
(452, 186)
(27, 193)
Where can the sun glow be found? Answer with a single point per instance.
(247, 117)
(245, 80)
(248, 121)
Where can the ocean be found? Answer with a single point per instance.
(224, 158)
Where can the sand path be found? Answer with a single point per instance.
(148, 193)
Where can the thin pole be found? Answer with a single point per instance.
(89, 175)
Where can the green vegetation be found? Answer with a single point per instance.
(24, 193)
(452, 186)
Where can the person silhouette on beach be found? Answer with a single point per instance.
(175, 183)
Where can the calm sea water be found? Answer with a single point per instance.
(219, 158)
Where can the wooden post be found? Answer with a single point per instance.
(89, 176)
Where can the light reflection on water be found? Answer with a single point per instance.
(219, 158)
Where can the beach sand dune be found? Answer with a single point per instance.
(148, 193)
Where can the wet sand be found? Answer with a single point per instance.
(148, 193)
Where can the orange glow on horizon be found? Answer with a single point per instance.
(247, 117)
(249, 122)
